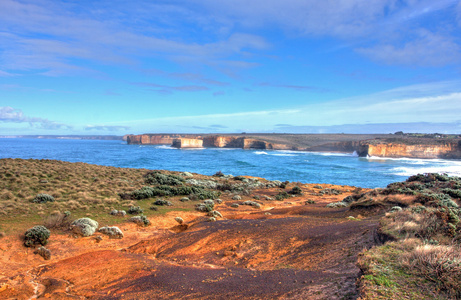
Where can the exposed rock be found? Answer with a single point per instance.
(113, 232)
(43, 252)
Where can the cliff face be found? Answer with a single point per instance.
(187, 143)
(449, 150)
(153, 139)
(395, 147)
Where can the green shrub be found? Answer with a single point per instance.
(157, 178)
(196, 192)
(215, 214)
(113, 232)
(436, 199)
(252, 203)
(36, 235)
(282, 195)
(43, 198)
(452, 193)
(296, 190)
(329, 191)
(135, 210)
(161, 202)
(336, 204)
(204, 207)
(140, 220)
(396, 208)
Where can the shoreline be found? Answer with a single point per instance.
(391, 145)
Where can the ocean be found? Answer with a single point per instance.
(305, 167)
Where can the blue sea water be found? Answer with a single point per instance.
(305, 167)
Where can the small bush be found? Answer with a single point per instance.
(36, 235)
(140, 220)
(113, 232)
(43, 198)
(219, 174)
(135, 210)
(157, 178)
(179, 220)
(336, 204)
(328, 191)
(296, 190)
(252, 203)
(204, 207)
(119, 213)
(396, 208)
(440, 264)
(282, 195)
(161, 202)
(215, 213)
(452, 193)
(235, 205)
(309, 202)
(195, 192)
(84, 226)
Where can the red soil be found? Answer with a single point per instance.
(285, 250)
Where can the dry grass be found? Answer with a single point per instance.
(440, 264)
(407, 223)
(77, 187)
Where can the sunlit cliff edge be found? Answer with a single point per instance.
(379, 145)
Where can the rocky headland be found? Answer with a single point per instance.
(390, 145)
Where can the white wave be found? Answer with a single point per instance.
(222, 149)
(290, 151)
(275, 153)
(413, 161)
(193, 149)
(165, 147)
(334, 154)
(450, 169)
(261, 153)
(282, 154)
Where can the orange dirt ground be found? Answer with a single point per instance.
(285, 250)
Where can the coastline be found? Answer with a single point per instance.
(392, 146)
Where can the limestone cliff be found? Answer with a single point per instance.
(155, 139)
(187, 143)
(382, 146)
(445, 150)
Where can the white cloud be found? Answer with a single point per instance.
(11, 115)
(64, 34)
(427, 49)
(433, 102)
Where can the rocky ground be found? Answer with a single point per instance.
(286, 244)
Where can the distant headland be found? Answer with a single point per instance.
(381, 145)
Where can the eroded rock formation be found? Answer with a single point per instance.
(377, 145)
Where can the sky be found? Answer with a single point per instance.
(114, 67)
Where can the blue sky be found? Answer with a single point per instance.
(118, 67)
